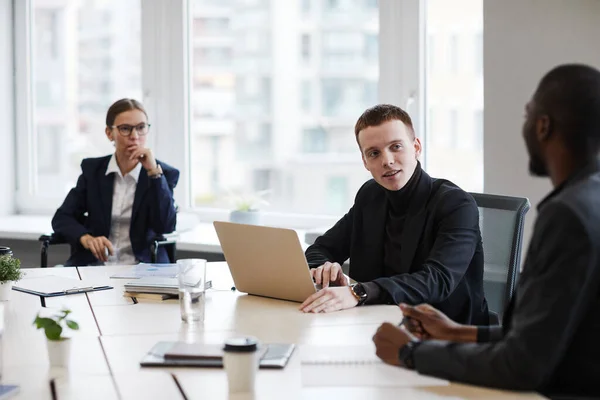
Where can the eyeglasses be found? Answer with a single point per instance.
(126, 130)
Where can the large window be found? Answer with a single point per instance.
(83, 56)
(276, 112)
(247, 96)
(454, 91)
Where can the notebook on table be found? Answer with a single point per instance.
(157, 285)
(150, 296)
(337, 366)
(180, 354)
(8, 391)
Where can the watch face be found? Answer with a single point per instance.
(359, 290)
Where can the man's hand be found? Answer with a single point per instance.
(144, 155)
(330, 299)
(329, 274)
(389, 339)
(97, 245)
(426, 322)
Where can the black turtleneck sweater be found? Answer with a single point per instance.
(397, 203)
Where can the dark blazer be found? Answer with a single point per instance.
(550, 339)
(441, 255)
(153, 210)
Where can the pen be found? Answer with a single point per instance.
(79, 290)
(83, 289)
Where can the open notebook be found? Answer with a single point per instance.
(356, 366)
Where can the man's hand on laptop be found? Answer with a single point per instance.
(329, 274)
(330, 299)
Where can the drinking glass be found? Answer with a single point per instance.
(192, 280)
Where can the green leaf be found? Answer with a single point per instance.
(44, 322)
(72, 324)
(53, 331)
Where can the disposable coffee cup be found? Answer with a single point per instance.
(241, 363)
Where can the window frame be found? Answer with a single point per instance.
(166, 85)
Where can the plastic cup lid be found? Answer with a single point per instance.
(241, 344)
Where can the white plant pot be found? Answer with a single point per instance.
(59, 352)
(245, 217)
(5, 290)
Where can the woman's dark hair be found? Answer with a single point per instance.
(120, 106)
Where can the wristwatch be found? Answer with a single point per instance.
(359, 292)
(406, 353)
(155, 172)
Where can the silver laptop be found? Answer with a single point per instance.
(266, 261)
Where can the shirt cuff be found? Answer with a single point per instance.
(375, 294)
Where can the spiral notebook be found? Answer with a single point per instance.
(335, 366)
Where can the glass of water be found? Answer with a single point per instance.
(192, 280)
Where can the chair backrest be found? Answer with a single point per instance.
(501, 220)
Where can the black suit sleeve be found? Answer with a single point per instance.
(68, 219)
(334, 245)
(457, 236)
(490, 333)
(162, 205)
(558, 282)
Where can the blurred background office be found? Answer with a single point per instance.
(247, 95)
(275, 89)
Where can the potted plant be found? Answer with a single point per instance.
(10, 271)
(59, 346)
(247, 207)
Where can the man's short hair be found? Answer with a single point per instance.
(381, 113)
(570, 95)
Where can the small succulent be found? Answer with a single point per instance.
(10, 269)
(249, 201)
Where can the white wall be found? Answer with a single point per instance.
(524, 39)
(7, 149)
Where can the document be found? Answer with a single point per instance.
(146, 270)
(335, 366)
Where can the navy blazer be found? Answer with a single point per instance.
(441, 261)
(88, 209)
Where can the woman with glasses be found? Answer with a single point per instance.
(122, 201)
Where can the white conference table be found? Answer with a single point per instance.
(116, 333)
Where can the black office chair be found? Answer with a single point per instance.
(501, 220)
(55, 238)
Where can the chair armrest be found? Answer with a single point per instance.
(169, 241)
(53, 238)
(168, 238)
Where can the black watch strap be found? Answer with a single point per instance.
(406, 354)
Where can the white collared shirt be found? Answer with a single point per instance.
(122, 205)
